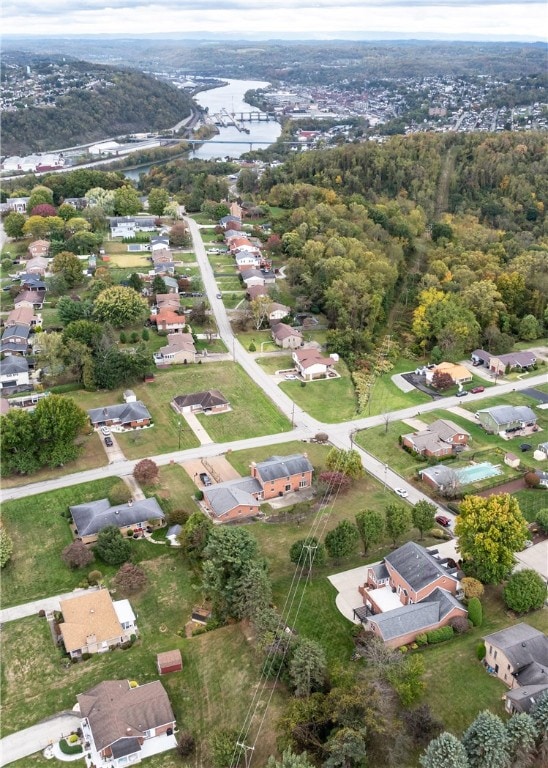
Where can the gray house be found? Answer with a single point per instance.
(506, 418)
(126, 416)
(90, 518)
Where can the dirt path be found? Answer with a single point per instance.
(442, 195)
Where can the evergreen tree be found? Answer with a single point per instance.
(522, 735)
(445, 752)
(307, 667)
(486, 742)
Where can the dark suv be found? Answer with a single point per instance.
(205, 478)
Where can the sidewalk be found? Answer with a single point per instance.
(32, 608)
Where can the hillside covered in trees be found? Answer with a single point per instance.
(116, 102)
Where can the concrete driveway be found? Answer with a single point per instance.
(37, 737)
(114, 452)
(535, 557)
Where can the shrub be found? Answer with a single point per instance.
(112, 547)
(72, 739)
(199, 495)
(460, 624)
(542, 520)
(134, 338)
(123, 337)
(145, 335)
(440, 635)
(403, 649)
(94, 577)
(130, 578)
(472, 587)
(177, 517)
(252, 347)
(41, 613)
(532, 480)
(421, 640)
(86, 656)
(480, 651)
(119, 494)
(146, 471)
(6, 547)
(69, 749)
(475, 611)
(437, 533)
(186, 744)
(525, 591)
(77, 555)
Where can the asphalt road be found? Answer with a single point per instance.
(37, 737)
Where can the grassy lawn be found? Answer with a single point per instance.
(275, 363)
(252, 413)
(233, 299)
(39, 535)
(383, 443)
(229, 284)
(531, 502)
(174, 488)
(209, 236)
(330, 401)
(92, 455)
(386, 396)
(139, 261)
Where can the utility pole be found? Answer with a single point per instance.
(248, 753)
(310, 557)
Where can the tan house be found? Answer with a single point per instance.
(498, 364)
(168, 301)
(311, 364)
(278, 312)
(90, 518)
(118, 718)
(23, 315)
(179, 350)
(518, 656)
(38, 265)
(458, 373)
(92, 623)
(410, 592)
(286, 337)
(32, 299)
(39, 248)
(442, 438)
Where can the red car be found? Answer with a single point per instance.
(442, 520)
(477, 390)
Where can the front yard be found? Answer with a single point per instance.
(328, 400)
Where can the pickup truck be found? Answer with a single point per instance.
(205, 478)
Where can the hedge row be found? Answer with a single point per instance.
(439, 635)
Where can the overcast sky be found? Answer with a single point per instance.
(523, 19)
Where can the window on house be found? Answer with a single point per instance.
(495, 655)
(497, 668)
(288, 487)
(302, 484)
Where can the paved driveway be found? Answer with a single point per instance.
(32, 608)
(37, 737)
(536, 557)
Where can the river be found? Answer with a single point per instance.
(231, 98)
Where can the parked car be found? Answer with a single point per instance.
(219, 295)
(205, 478)
(290, 377)
(109, 442)
(402, 493)
(442, 520)
(105, 430)
(463, 393)
(477, 390)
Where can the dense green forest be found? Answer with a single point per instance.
(123, 101)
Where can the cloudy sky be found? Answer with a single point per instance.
(510, 19)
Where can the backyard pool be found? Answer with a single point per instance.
(476, 472)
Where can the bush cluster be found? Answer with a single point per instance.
(69, 749)
(439, 635)
(475, 611)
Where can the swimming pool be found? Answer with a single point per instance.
(476, 472)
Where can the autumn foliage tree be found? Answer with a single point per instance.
(490, 530)
(44, 210)
(146, 472)
(130, 579)
(335, 482)
(120, 306)
(77, 555)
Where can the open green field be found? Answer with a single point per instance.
(386, 396)
(233, 299)
(531, 501)
(275, 362)
(252, 413)
(92, 455)
(329, 400)
(229, 283)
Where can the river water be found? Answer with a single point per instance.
(229, 97)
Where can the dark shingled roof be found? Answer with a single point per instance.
(126, 746)
(208, 399)
(277, 467)
(115, 711)
(92, 517)
(124, 413)
(523, 698)
(13, 364)
(223, 497)
(521, 644)
(417, 566)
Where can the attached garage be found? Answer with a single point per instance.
(169, 661)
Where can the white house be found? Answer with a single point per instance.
(14, 372)
(312, 365)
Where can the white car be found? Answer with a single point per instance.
(401, 492)
(105, 431)
(290, 377)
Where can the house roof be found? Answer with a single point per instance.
(513, 359)
(454, 370)
(248, 274)
(169, 657)
(167, 315)
(446, 429)
(32, 281)
(440, 475)
(524, 697)
(504, 414)
(168, 300)
(416, 566)
(40, 244)
(20, 316)
(89, 614)
(207, 399)
(309, 357)
(282, 331)
(256, 290)
(116, 711)
(224, 497)
(93, 516)
(277, 467)
(526, 648)
(174, 530)
(148, 221)
(413, 617)
(33, 297)
(124, 413)
(13, 331)
(12, 364)
(279, 307)
(125, 746)
(179, 342)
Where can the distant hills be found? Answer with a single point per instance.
(120, 101)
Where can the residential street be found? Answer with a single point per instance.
(37, 737)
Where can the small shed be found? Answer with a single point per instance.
(169, 661)
(512, 460)
(130, 396)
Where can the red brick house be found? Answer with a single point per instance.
(168, 320)
(125, 416)
(412, 591)
(279, 475)
(442, 438)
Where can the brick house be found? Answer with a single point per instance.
(39, 248)
(124, 416)
(90, 518)
(168, 320)
(442, 438)
(117, 720)
(209, 401)
(498, 364)
(279, 475)
(93, 623)
(518, 656)
(233, 500)
(410, 592)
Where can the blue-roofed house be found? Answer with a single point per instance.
(90, 518)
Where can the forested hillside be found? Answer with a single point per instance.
(123, 101)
